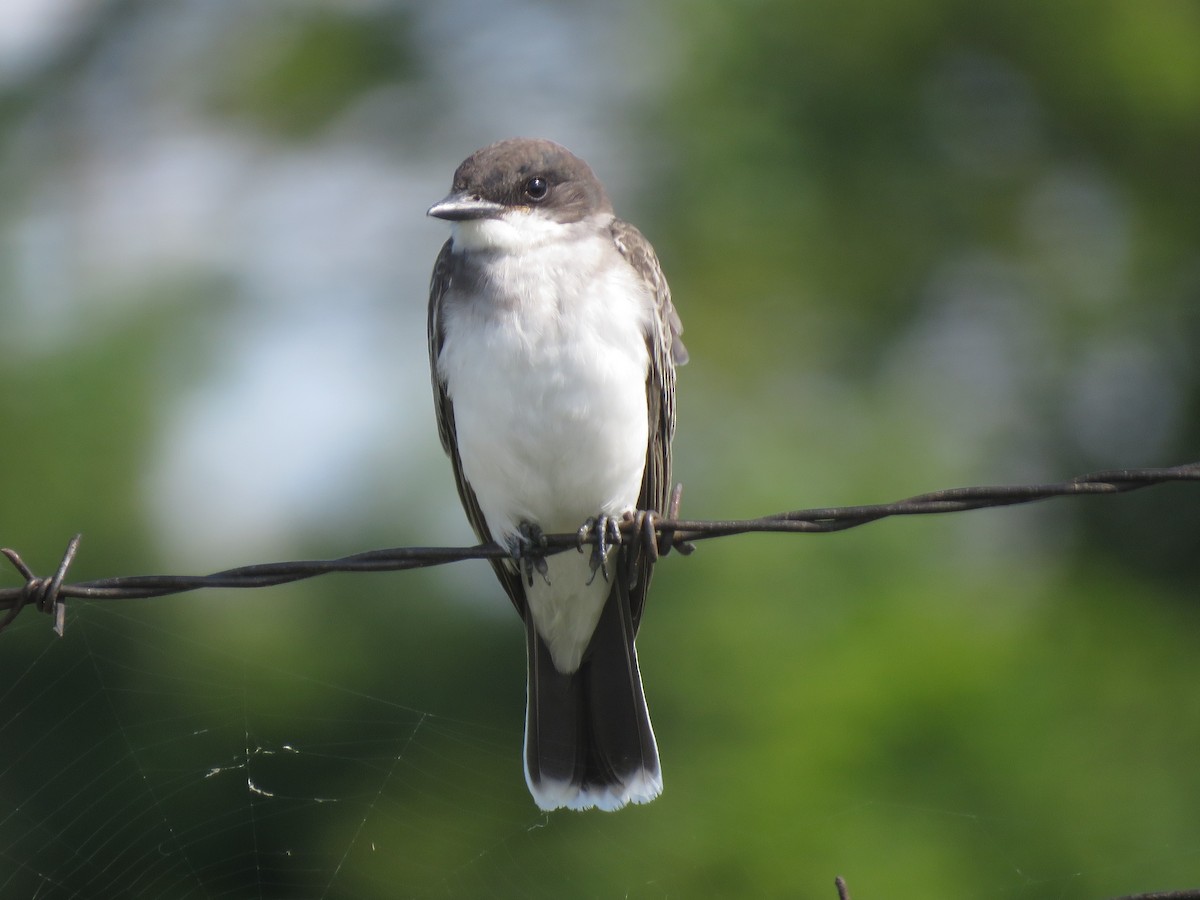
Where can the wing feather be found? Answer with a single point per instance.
(666, 351)
(440, 283)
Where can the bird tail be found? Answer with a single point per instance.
(588, 738)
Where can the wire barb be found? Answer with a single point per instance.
(668, 540)
(49, 595)
(43, 593)
(1191, 894)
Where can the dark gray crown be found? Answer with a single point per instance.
(507, 173)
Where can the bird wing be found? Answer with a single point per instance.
(666, 351)
(440, 283)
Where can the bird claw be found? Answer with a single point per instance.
(604, 533)
(528, 548)
(646, 525)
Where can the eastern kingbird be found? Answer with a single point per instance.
(553, 345)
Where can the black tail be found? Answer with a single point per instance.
(588, 739)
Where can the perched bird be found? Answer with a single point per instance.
(553, 345)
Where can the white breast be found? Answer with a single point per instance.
(548, 381)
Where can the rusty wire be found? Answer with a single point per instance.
(1189, 894)
(661, 535)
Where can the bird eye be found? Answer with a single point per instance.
(537, 188)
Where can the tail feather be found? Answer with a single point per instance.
(588, 738)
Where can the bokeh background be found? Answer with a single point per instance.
(915, 245)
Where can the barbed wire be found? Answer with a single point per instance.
(659, 534)
(1189, 894)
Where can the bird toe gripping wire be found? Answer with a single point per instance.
(42, 592)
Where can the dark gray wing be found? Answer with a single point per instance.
(666, 351)
(440, 283)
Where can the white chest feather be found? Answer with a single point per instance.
(546, 365)
(547, 371)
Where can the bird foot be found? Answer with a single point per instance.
(528, 548)
(603, 532)
(645, 525)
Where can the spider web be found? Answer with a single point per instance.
(148, 755)
(141, 763)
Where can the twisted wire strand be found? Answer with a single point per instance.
(660, 534)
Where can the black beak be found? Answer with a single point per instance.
(460, 206)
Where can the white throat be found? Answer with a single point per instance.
(518, 231)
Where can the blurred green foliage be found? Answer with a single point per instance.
(295, 72)
(862, 207)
